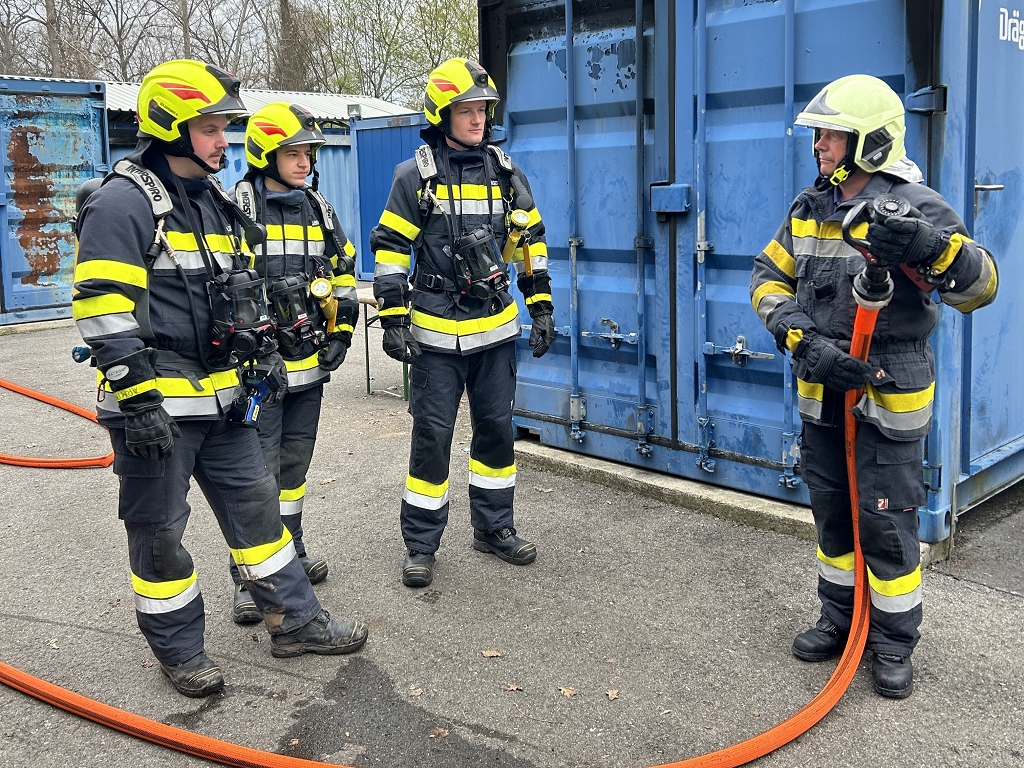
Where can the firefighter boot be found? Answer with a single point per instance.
(418, 569)
(195, 677)
(244, 611)
(315, 568)
(821, 642)
(506, 545)
(322, 635)
(892, 675)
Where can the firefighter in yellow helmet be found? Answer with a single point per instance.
(457, 202)
(801, 290)
(304, 243)
(175, 321)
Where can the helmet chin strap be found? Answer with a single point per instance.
(271, 172)
(183, 148)
(846, 167)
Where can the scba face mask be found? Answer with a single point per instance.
(479, 266)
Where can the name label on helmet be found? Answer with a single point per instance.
(425, 162)
(150, 185)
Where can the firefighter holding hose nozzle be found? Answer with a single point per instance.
(803, 289)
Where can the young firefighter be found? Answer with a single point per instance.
(802, 290)
(165, 302)
(453, 203)
(304, 243)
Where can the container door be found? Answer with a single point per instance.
(378, 145)
(994, 408)
(53, 141)
(756, 65)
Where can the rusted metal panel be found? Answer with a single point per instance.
(53, 135)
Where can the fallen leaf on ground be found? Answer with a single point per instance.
(512, 687)
(545, 490)
(438, 733)
(416, 692)
(327, 481)
(613, 694)
(609, 661)
(567, 692)
(491, 654)
(293, 742)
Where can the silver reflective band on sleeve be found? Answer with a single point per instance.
(106, 325)
(383, 268)
(270, 566)
(153, 605)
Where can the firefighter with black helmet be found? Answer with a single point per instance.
(802, 290)
(305, 252)
(461, 203)
(176, 323)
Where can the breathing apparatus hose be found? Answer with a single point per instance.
(32, 461)
(872, 290)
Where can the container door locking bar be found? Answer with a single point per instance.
(738, 351)
(613, 334)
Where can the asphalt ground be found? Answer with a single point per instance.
(646, 631)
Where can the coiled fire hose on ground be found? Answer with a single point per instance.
(872, 289)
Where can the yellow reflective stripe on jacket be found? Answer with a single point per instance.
(464, 327)
(809, 399)
(538, 297)
(179, 386)
(406, 229)
(771, 288)
(793, 338)
(781, 258)
(344, 280)
(533, 219)
(306, 371)
(897, 414)
(394, 257)
(979, 293)
(186, 241)
(896, 595)
(94, 306)
(827, 230)
(391, 311)
(903, 402)
(349, 249)
(467, 192)
(945, 259)
(303, 364)
(115, 271)
(294, 232)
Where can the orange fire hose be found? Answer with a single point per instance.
(32, 461)
(226, 753)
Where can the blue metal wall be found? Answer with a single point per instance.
(378, 145)
(653, 224)
(53, 136)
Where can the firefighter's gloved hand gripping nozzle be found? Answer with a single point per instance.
(873, 287)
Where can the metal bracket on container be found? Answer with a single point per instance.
(927, 101)
(738, 351)
(790, 454)
(667, 199)
(933, 477)
(577, 414)
(642, 446)
(643, 242)
(613, 334)
(707, 442)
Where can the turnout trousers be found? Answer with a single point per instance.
(890, 482)
(227, 463)
(287, 432)
(436, 384)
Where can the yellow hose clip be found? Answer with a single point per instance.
(518, 221)
(323, 292)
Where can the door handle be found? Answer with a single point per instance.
(985, 188)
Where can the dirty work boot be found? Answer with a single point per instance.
(195, 677)
(506, 545)
(821, 642)
(315, 568)
(322, 635)
(244, 611)
(892, 675)
(418, 569)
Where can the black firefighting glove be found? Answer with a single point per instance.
(399, 343)
(149, 430)
(906, 240)
(823, 362)
(542, 335)
(333, 355)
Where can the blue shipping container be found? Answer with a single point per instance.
(678, 164)
(53, 135)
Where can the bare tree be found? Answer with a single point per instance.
(17, 29)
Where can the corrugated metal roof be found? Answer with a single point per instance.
(121, 97)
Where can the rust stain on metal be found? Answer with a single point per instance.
(32, 194)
